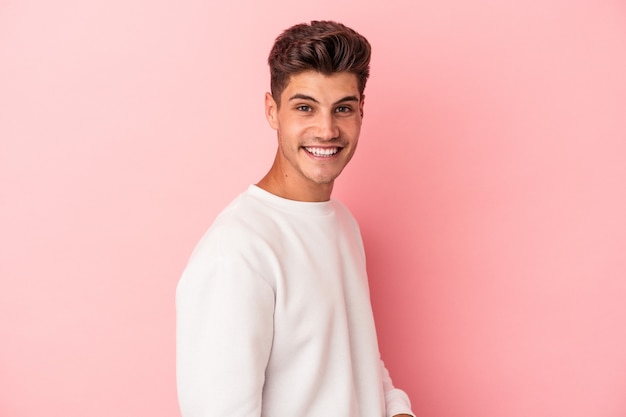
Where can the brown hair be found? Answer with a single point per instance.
(324, 46)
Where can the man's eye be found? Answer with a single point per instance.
(343, 109)
(304, 107)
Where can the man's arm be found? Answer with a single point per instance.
(396, 400)
(224, 335)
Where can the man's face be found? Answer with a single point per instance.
(318, 125)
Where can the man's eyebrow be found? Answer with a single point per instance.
(348, 98)
(299, 96)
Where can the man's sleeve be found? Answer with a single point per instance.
(224, 328)
(396, 400)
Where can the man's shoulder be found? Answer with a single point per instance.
(244, 214)
(242, 223)
(345, 215)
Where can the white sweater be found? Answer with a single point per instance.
(274, 316)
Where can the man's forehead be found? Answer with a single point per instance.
(313, 84)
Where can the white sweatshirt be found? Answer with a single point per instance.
(274, 316)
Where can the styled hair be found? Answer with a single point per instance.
(323, 46)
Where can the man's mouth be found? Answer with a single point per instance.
(321, 152)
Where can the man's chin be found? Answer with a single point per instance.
(324, 180)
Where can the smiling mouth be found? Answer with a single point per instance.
(322, 152)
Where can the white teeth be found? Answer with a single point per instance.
(322, 151)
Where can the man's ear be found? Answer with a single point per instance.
(271, 111)
(361, 104)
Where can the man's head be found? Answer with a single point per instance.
(322, 46)
(318, 74)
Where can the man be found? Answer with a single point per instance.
(273, 310)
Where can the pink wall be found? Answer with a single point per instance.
(490, 184)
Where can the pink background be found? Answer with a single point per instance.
(490, 184)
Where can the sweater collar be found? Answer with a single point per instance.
(302, 207)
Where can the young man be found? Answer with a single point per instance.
(273, 310)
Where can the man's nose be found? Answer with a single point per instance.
(328, 128)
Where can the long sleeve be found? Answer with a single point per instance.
(224, 337)
(396, 400)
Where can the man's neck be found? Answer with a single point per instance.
(279, 184)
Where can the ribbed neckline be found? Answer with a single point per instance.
(321, 208)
